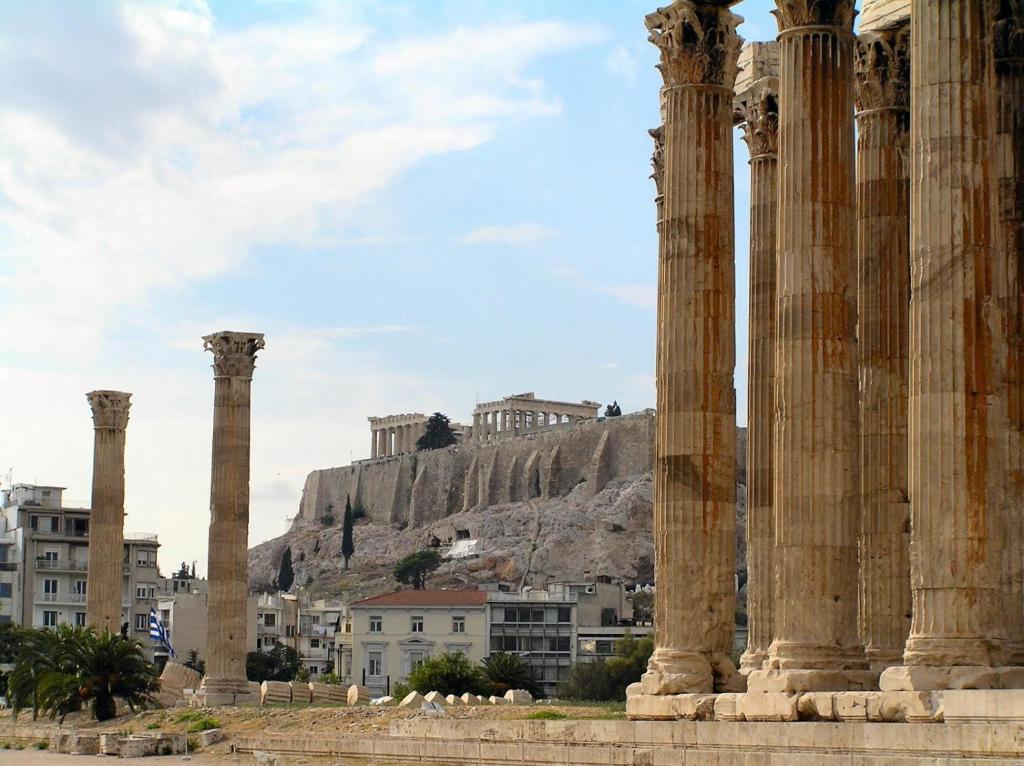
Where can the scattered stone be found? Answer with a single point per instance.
(211, 737)
(727, 707)
(451, 699)
(495, 700)
(772, 706)
(470, 699)
(412, 699)
(358, 695)
(817, 706)
(435, 698)
(518, 697)
(383, 701)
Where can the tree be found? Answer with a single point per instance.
(279, 664)
(506, 671)
(608, 679)
(348, 546)
(448, 674)
(416, 567)
(195, 663)
(437, 434)
(613, 410)
(285, 573)
(643, 607)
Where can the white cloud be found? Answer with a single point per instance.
(622, 63)
(515, 234)
(642, 296)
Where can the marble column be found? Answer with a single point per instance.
(477, 427)
(882, 71)
(234, 358)
(382, 442)
(956, 340)
(104, 581)
(759, 113)
(373, 444)
(816, 487)
(389, 441)
(1009, 184)
(695, 444)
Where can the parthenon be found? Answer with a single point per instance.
(395, 434)
(525, 413)
(885, 543)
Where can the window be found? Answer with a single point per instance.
(458, 624)
(314, 669)
(142, 621)
(511, 614)
(314, 643)
(145, 591)
(289, 631)
(416, 659)
(417, 625)
(564, 614)
(50, 556)
(537, 615)
(376, 624)
(50, 588)
(80, 587)
(145, 558)
(269, 620)
(374, 663)
(5, 590)
(49, 619)
(80, 619)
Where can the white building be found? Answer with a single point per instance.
(44, 559)
(324, 630)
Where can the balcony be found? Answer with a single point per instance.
(148, 537)
(61, 598)
(66, 565)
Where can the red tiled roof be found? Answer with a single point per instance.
(427, 598)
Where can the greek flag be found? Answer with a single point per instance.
(157, 632)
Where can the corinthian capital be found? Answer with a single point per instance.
(109, 409)
(814, 13)
(234, 353)
(758, 117)
(658, 157)
(882, 65)
(1009, 32)
(698, 42)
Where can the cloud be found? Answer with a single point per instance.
(515, 234)
(622, 63)
(642, 296)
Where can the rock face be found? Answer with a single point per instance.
(530, 542)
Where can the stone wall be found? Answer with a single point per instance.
(423, 487)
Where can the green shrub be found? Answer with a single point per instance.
(608, 679)
(41, 745)
(545, 715)
(5, 745)
(506, 671)
(205, 723)
(151, 726)
(189, 715)
(448, 674)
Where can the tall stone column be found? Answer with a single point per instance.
(234, 358)
(816, 488)
(382, 442)
(1009, 183)
(104, 581)
(883, 295)
(956, 341)
(758, 111)
(695, 444)
(373, 444)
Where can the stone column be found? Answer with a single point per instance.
(382, 442)
(1009, 183)
(373, 443)
(883, 296)
(477, 430)
(234, 357)
(389, 441)
(816, 488)
(104, 581)
(759, 112)
(695, 447)
(956, 338)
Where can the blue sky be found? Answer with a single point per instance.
(418, 203)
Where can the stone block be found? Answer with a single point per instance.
(413, 700)
(929, 678)
(319, 692)
(675, 683)
(853, 706)
(60, 742)
(435, 698)
(386, 701)
(358, 695)
(726, 707)
(84, 744)
(470, 699)
(904, 706)
(495, 700)
(519, 697)
(339, 693)
(797, 681)
(109, 744)
(776, 706)
(275, 692)
(817, 706)
(983, 705)
(1011, 678)
(451, 699)
(211, 737)
(301, 693)
(136, 747)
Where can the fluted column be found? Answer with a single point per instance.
(695, 444)
(816, 434)
(883, 298)
(373, 443)
(1009, 183)
(382, 442)
(956, 340)
(234, 358)
(106, 519)
(759, 115)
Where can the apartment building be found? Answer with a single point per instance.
(44, 559)
(395, 632)
(277, 617)
(182, 608)
(324, 630)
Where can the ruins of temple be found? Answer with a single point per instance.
(885, 389)
(525, 413)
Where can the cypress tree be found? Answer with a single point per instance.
(348, 546)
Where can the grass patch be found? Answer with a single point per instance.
(545, 715)
(193, 714)
(154, 725)
(5, 745)
(41, 745)
(205, 723)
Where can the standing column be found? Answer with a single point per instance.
(373, 443)
(382, 442)
(477, 432)
(955, 339)
(882, 67)
(695, 448)
(104, 581)
(389, 441)
(234, 357)
(816, 487)
(760, 114)
(1009, 175)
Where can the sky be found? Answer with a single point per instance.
(421, 204)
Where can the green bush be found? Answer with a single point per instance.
(545, 715)
(41, 745)
(608, 679)
(330, 678)
(506, 671)
(205, 723)
(448, 674)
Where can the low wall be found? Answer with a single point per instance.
(427, 486)
(600, 743)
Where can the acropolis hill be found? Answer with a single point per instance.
(562, 500)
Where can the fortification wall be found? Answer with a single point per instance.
(427, 486)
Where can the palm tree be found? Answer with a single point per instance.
(506, 671)
(39, 654)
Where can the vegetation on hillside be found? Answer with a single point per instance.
(416, 567)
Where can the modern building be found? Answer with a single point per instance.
(324, 629)
(277, 616)
(184, 616)
(395, 632)
(44, 558)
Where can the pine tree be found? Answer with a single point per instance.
(285, 574)
(437, 433)
(348, 546)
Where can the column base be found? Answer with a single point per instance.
(952, 652)
(751, 661)
(674, 672)
(880, 659)
(797, 681)
(932, 678)
(224, 699)
(791, 655)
